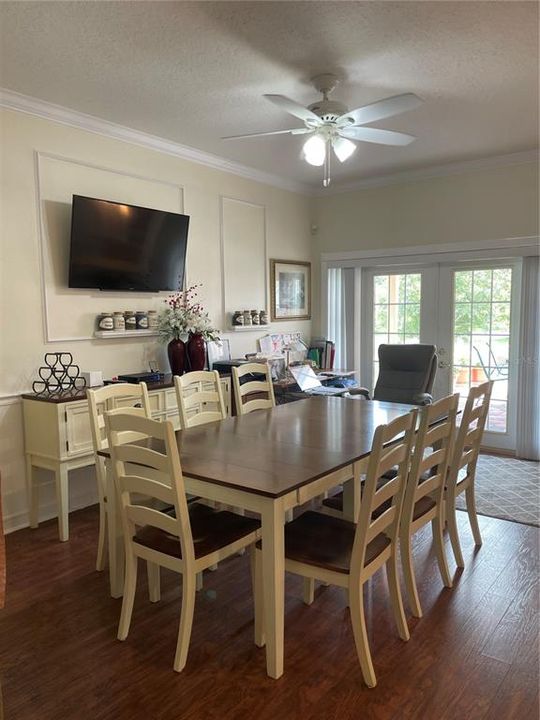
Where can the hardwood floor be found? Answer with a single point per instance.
(474, 654)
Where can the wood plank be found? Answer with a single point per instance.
(60, 657)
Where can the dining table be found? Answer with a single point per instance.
(269, 462)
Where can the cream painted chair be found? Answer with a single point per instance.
(340, 552)
(187, 540)
(465, 455)
(255, 388)
(200, 398)
(424, 494)
(101, 400)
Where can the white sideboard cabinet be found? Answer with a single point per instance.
(57, 437)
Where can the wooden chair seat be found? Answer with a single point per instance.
(327, 542)
(211, 530)
(423, 506)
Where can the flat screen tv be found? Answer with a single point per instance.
(115, 246)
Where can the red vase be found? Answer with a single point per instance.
(196, 352)
(176, 350)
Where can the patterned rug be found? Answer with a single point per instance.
(507, 488)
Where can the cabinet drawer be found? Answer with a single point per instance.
(77, 429)
(170, 400)
(156, 402)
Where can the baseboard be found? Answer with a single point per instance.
(47, 511)
(498, 451)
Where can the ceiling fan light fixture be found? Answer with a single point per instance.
(343, 148)
(314, 150)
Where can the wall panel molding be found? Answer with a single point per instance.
(44, 240)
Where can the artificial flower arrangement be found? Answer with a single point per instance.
(185, 315)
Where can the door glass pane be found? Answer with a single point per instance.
(396, 311)
(482, 337)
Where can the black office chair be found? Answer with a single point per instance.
(406, 374)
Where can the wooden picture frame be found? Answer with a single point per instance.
(290, 290)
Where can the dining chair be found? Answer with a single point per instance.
(340, 552)
(255, 387)
(200, 398)
(465, 455)
(100, 400)
(187, 539)
(200, 401)
(424, 492)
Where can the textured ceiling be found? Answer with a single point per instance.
(194, 71)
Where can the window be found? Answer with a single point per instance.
(396, 311)
(482, 337)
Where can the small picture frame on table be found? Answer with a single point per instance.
(290, 290)
(217, 350)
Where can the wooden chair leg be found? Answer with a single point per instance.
(186, 621)
(408, 574)
(154, 589)
(258, 596)
(471, 511)
(309, 590)
(102, 538)
(451, 519)
(437, 528)
(199, 583)
(130, 585)
(395, 597)
(358, 621)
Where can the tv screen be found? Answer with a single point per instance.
(125, 247)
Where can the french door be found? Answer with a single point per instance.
(469, 311)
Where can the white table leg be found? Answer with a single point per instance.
(273, 568)
(62, 500)
(33, 493)
(352, 491)
(116, 545)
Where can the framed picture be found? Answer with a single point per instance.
(217, 350)
(290, 290)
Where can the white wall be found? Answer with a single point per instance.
(488, 204)
(41, 161)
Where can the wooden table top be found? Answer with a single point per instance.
(272, 452)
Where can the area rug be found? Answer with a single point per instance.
(507, 488)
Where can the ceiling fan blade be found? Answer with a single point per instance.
(382, 109)
(294, 131)
(374, 135)
(294, 108)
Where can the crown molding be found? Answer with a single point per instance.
(518, 246)
(455, 168)
(49, 111)
(12, 100)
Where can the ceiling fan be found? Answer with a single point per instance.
(331, 126)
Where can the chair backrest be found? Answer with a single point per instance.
(405, 371)
(261, 390)
(151, 468)
(111, 397)
(391, 447)
(433, 446)
(200, 398)
(470, 433)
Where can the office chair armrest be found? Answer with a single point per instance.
(423, 399)
(359, 391)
